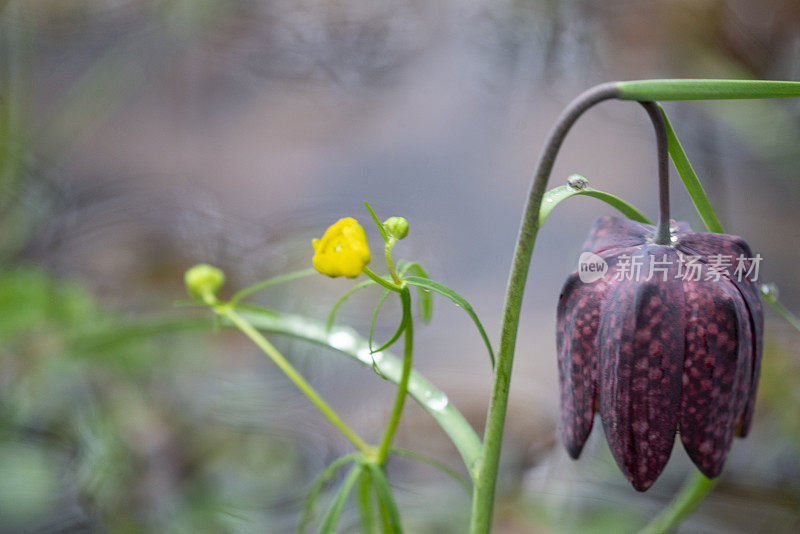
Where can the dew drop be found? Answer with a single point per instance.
(364, 355)
(770, 291)
(342, 340)
(577, 181)
(436, 400)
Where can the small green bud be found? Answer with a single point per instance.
(203, 281)
(396, 227)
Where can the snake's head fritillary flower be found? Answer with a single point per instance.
(671, 344)
(343, 250)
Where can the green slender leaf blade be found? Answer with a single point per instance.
(372, 322)
(335, 512)
(346, 341)
(699, 89)
(709, 216)
(401, 266)
(558, 194)
(770, 294)
(690, 180)
(377, 222)
(316, 488)
(269, 282)
(458, 300)
(343, 299)
(400, 329)
(365, 504)
(256, 308)
(425, 297)
(386, 497)
(436, 464)
(374, 319)
(105, 336)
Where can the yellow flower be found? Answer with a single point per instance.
(343, 250)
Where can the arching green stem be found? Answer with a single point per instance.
(484, 488)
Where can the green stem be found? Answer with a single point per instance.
(402, 386)
(387, 252)
(226, 311)
(662, 236)
(484, 488)
(690, 180)
(692, 493)
(382, 281)
(694, 89)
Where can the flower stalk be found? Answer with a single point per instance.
(227, 312)
(663, 229)
(484, 487)
(402, 386)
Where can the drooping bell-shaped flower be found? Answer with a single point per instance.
(659, 338)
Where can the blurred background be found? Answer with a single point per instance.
(138, 137)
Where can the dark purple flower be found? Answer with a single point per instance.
(674, 347)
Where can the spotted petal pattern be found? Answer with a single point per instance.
(576, 343)
(641, 353)
(660, 351)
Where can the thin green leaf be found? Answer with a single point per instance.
(436, 464)
(558, 194)
(698, 89)
(709, 216)
(377, 222)
(425, 297)
(365, 504)
(269, 282)
(458, 300)
(386, 497)
(770, 292)
(375, 312)
(256, 308)
(101, 337)
(319, 484)
(343, 299)
(348, 342)
(690, 180)
(400, 329)
(335, 512)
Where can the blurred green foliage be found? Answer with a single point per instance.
(98, 427)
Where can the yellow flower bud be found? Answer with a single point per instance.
(343, 250)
